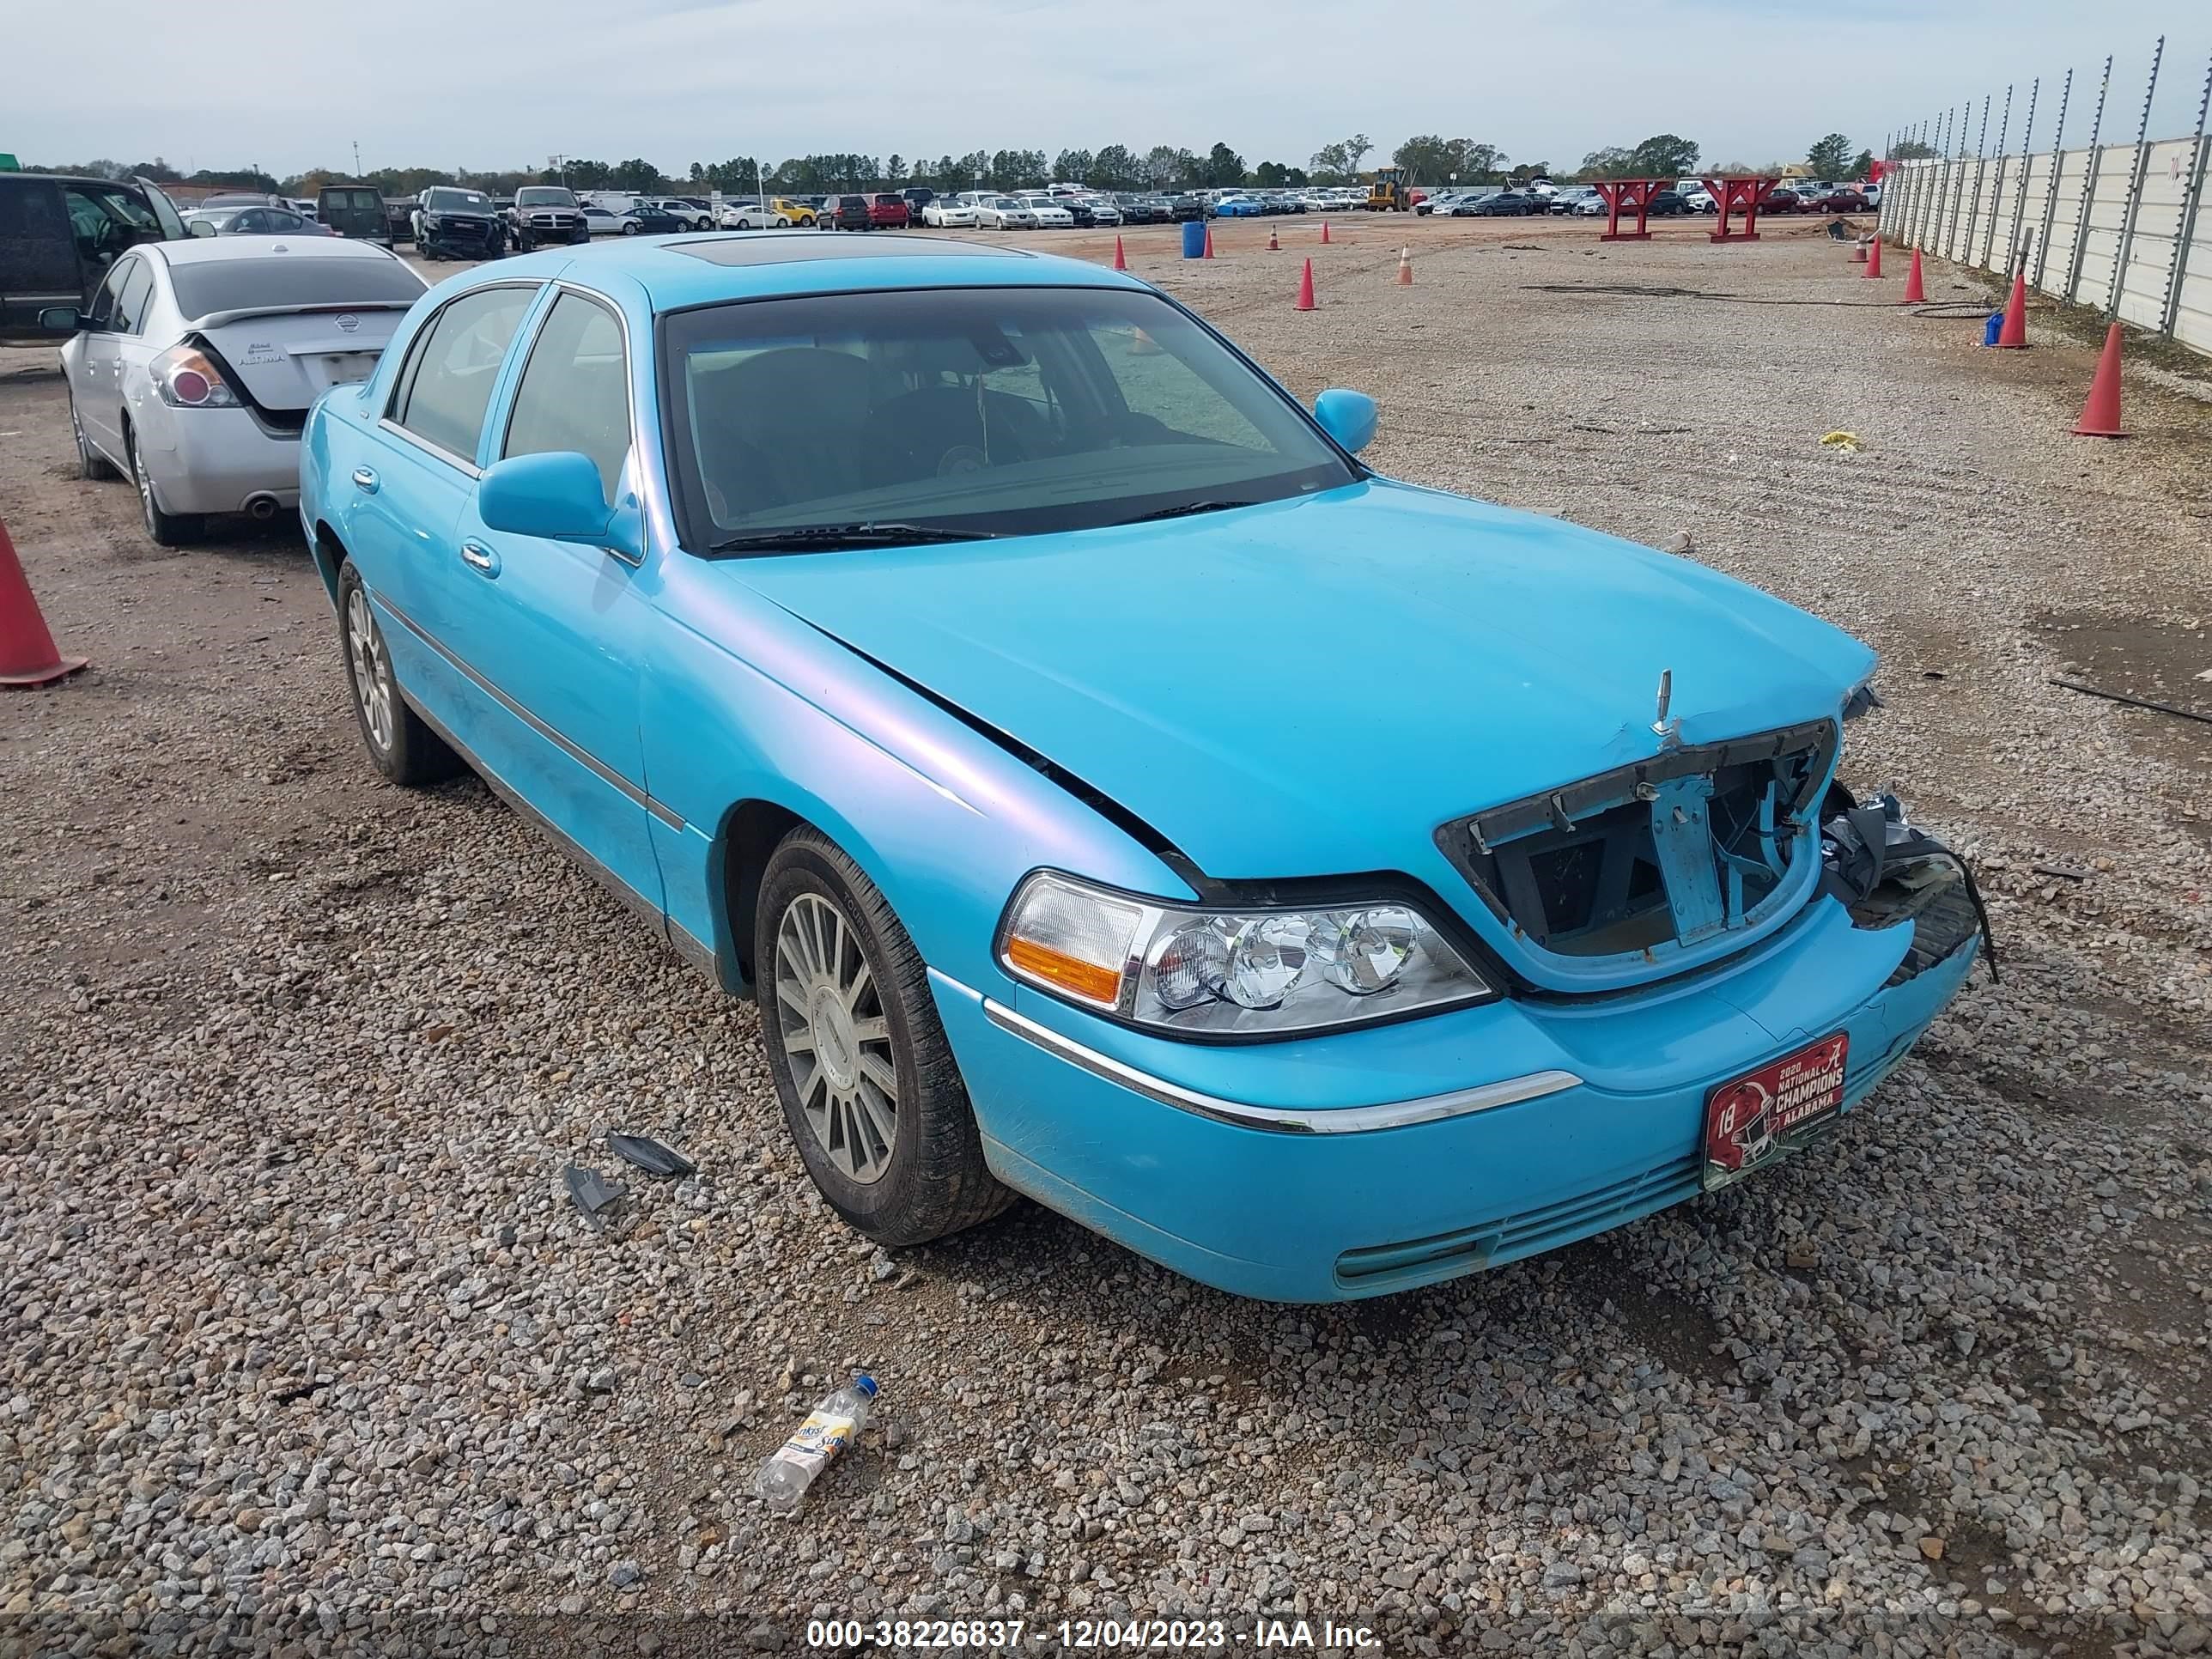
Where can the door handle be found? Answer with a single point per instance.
(364, 480)
(477, 557)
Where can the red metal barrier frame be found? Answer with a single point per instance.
(1730, 194)
(1618, 193)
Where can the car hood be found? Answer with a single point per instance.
(1309, 687)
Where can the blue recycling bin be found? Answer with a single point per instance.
(1193, 240)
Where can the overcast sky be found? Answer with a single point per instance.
(501, 84)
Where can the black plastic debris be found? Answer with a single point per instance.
(596, 1197)
(650, 1156)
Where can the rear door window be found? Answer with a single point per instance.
(442, 397)
(130, 301)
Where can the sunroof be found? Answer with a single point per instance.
(759, 247)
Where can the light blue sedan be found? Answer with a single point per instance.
(1111, 790)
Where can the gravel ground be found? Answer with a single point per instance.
(302, 1332)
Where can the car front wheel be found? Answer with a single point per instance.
(870, 1090)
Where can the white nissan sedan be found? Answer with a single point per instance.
(193, 371)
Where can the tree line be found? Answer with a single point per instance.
(1425, 159)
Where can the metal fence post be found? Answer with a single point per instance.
(2187, 234)
(1996, 186)
(2058, 165)
(1981, 165)
(1931, 185)
(2137, 173)
(2016, 253)
(1955, 168)
(2088, 186)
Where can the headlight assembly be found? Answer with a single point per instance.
(1253, 971)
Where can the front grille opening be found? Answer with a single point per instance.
(1667, 851)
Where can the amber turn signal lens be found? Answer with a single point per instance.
(1084, 979)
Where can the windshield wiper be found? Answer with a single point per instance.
(1184, 510)
(866, 533)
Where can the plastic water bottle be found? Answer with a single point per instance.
(830, 1428)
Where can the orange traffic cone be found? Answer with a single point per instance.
(1873, 259)
(1305, 288)
(1915, 295)
(1209, 242)
(1274, 246)
(1324, 232)
(1405, 267)
(2014, 332)
(2101, 415)
(1120, 260)
(27, 657)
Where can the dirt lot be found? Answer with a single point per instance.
(302, 1329)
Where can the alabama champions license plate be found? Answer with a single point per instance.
(1763, 1116)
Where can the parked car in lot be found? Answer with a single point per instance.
(192, 371)
(1698, 199)
(847, 212)
(887, 211)
(60, 236)
(399, 216)
(689, 215)
(1105, 212)
(1506, 203)
(1783, 199)
(548, 214)
(1566, 199)
(1666, 205)
(1187, 207)
(251, 221)
(454, 224)
(1236, 207)
(1049, 215)
(854, 678)
(947, 214)
(1842, 199)
(1004, 213)
(749, 213)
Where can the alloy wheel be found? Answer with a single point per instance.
(836, 1038)
(372, 669)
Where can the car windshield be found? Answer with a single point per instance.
(457, 201)
(996, 411)
(204, 286)
(543, 196)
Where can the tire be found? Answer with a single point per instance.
(167, 529)
(90, 463)
(822, 924)
(400, 744)
(629, 228)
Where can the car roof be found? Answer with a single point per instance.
(706, 268)
(208, 250)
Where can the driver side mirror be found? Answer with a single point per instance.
(202, 228)
(62, 319)
(558, 497)
(1347, 416)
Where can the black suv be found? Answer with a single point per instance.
(916, 199)
(1186, 207)
(453, 223)
(58, 236)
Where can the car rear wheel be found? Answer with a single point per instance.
(90, 463)
(870, 1090)
(403, 748)
(168, 529)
